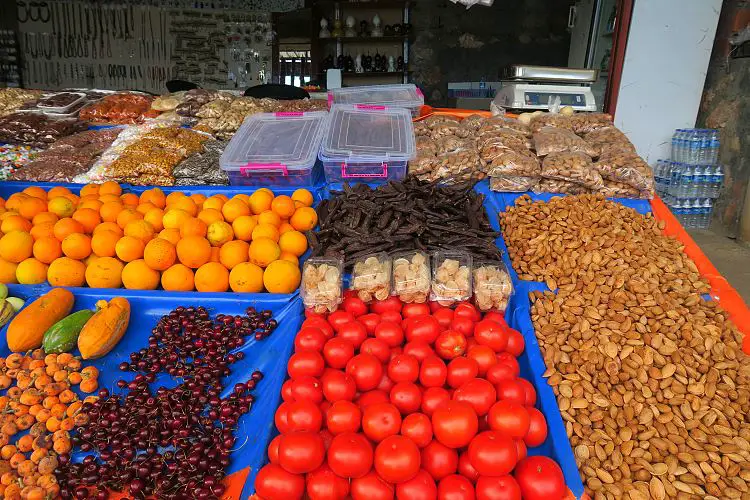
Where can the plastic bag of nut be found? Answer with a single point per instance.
(558, 186)
(511, 123)
(614, 189)
(425, 144)
(513, 163)
(608, 138)
(583, 123)
(322, 284)
(572, 167)
(550, 120)
(421, 129)
(449, 128)
(450, 143)
(436, 120)
(473, 122)
(503, 137)
(411, 277)
(559, 140)
(451, 277)
(492, 286)
(371, 277)
(424, 163)
(626, 167)
(513, 183)
(465, 163)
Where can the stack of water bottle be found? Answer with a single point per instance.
(691, 181)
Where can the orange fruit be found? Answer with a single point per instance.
(14, 201)
(109, 226)
(31, 207)
(109, 198)
(242, 197)
(215, 254)
(140, 229)
(214, 203)
(8, 272)
(110, 210)
(281, 276)
(90, 259)
(103, 243)
(173, 197)
(15, 223)
(304, 219)
(16, 246)
(174, 218)
(293, 242)
(44, 230)
(234, 208)
(73, 198)
(66, 272)
(31, 272)
(171, 235)
(285, 227)
(92, 204)
(269, 217)
(47, 249)
(186, 204)
(193, 251)
(222, 197)
(36, 192)
(263, 251)
(88, 197)
(283, 205)
(61, 206)
(233, 253)
(104, 272)
(129, 199)
(219, 232)
(246, 278)
(2, 202)
(290, 257)
(145, 207)
(209, 215)
(129, 248)
(303, 196)
(136, 275)
(243, 227)
(90, 189)
(110, 187)
(154, 217)
(88, 217)
(193, 227)
(159, 254)
(154, 196)
(43, 217)
(128, 215)
(76, 246)
(266, 231)
(260, 201)
(198, 198)
(212, 277)
(58, 191)
(67, 226)
(178, 278)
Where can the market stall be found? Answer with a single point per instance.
(218, 296)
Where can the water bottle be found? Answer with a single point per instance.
(676, 137)
(706, 213)
(715, 144)
(703, 180)
(675, 179)
(658, 177)
(687, 181)
(667, 177)
(682, 146)
(695, 146)
(703, 157)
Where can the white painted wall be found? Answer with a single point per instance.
(665, 67)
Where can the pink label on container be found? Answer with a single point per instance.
(250, 168)
(349, 175)
(370, 106)
(330, 99)
(419, 92)
(282, 114)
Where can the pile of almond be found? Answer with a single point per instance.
(650, 378)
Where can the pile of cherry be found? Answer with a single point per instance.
(409, 401)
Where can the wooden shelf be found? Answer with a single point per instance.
(374, 73)
(373, 4)
(365, 39)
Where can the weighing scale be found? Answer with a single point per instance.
(534, 87)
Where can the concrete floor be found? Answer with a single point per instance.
(731, 258)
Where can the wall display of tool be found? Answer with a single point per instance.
(10, 75)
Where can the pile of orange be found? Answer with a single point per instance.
(105, 238)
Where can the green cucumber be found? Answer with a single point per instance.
(63, 335)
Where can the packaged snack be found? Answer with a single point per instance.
(434, 121)
(322, 283)
(513, 183)
(550, 120)
(614, 189)
(626, 167)
(583, 123)
(371, 277)
(572, 167)
(511, 123)
(473, 122)
(492, 286)
(558, 186)
(607, 139)
(411, 277)
(508, 162)
(559, 140)
(451, 277)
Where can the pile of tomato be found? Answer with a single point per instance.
(409, 401)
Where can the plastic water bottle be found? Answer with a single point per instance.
(682, 146)
(676, 137)
(675, 179)
(703, 180)
(715, 144)
(687, 181)
(706, 213)
(658, 176)
(695, 147)
(667, 176)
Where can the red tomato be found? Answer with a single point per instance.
(302, 416)
(479, 393)
(509, 418)
(439, 460)
(455, 487)
(510, 360)
(505, 487)
(355, 306)
(516, 344)
(493, 453)
(386, 384)
(350, 455)
(484, 356)
(455, 423)
(466, 469)
(286, 391)
(392, 303)
(380, 420)
(444, 316)
(433, 398)
(307, 388)
(281, 417)
(274, 483)
(370, 321)
(343, 416)
(403, 368)
(310, 338)
(500, 372)
(366, 371)
(461, 370)
(395, 351)
(511, 390)
(537, 428)
(273, 449)
(372, 397)
(371, 487)
(450, 344)
(377, 348)
(390, 333)
(529, 391)
(540, 478)
(462, 325)
(415, 309)
(407, 397)
(338, 351)
(496, 317)
(339, 318)
(305, 363)
(466, 310)
(354, 331)
(397, 459)
(391, 316)
(320, 323)
(337, 385)
(420, 350)
(422, 327)
(420, 487)
(301, 452)
(324, 484)
(521, 449)
(491, 334)
(433, 372)
(418, 428)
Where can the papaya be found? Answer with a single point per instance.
(63, 335)
(27, 329)
(106, 327)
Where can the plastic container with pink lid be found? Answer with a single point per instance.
(275, 149)
(394, 96)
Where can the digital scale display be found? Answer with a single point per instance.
(543, 99)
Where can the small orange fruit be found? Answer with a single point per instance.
(283, 205)
(90, 259)
(154, 217)
(233, 253)
(260, 201)
(129, 200)
(73, 198)
(243, 227)
(67, 226)
(88, 197)
(212, 277)
(186, 204)
(15, 223)
(109, 226)
(110, 210)
(304, 219)
(110, 187)
(171, 235)
(66, 272)
(61, 206)
(222, 197)
(140, 229)
(145, 207)
(219, 232)
(104, 243)
(215, 254)
(263, 251)
(285, 227)
(14, 201)
(36, 192)
(77, 246)
(109, 198)
(246, 278)
(234, 208)
(269, 217)
(198, 198)
(58, 191)
(104, 272)
(43, 217)
(174, 218)
(31, 272)
(281, 276)
(159, 254)
(154, 196)
(47, 249)
(266, 231)
(290, 257)
(193, 251)
(129, 248)
(193, 227)
(16, 246)
(43, 230)
(128, 215)
(90, 189)
(88, 217)
(173, 197)
(209, 215)
(214, 203)
(136, 275)
(178, 278)
(31, 207)
(303, 196)
(242, 197)
(8, 272)
(92, 204)
(293, 242)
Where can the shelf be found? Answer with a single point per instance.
(365, 39)
(373, 4)
(374, 73)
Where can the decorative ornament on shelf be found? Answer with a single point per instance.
(388, 30)
(337, 31)
(324, 32)
(377, 31)
(358, 64)
(367, 63)
(350, 32)
(391, 64)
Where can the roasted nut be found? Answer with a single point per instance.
(492, 286)
(371, 277)
(550, 140)
(608, 138)
(321, 284)
(614, 189)
(507, 162)
(626, 167)
(557, 186)
(411, 277)
(513, 183)
(572, 167)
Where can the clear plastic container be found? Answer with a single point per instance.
(492, 286)
(371, 277)
(451, 277)
(322, 283)
(363, 142)
(72, 100)
(275, 149)
(411, 276)
(396, 96)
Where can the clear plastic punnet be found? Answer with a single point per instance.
(275, 149)
(322, 283)
(61, 103)
(451, 277)
(492, 286)
(411, 276)
(367, 143)
(396, 96)
(371, 277)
